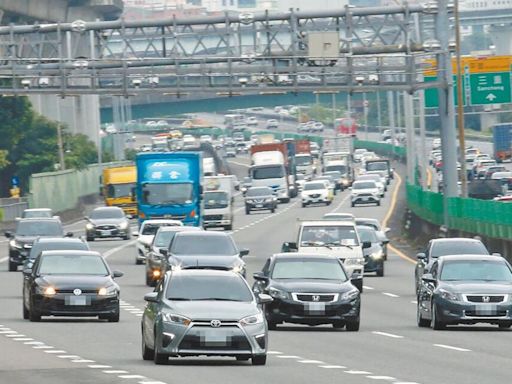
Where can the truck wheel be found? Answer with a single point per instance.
(378, 203)
(90, 238)
(247, 211)
(304, 205)
(13, 267)
(228, 227)
(328, 202)
(352, 205)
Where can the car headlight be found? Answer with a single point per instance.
(350, 295)
(107, 291)
(344, 181)
(176, 268)
(238, 268)
(377, 255)
(47, 291)
(13, 243)
(278, 294)
(447, 295)
(355, 261)
(176, 319)
(123, 225)
(269, 200)
(252, 320)
(89, 226)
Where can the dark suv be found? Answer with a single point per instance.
(27, 231)
(260, 198)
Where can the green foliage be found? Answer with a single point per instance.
(130, 154)
(79, 151)
(3, 158)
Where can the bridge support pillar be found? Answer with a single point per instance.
(501, 36)
(488, 119)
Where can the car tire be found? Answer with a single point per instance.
(259, 360)
(139, 261)
(114, 318)
(272, 326)
(160, 358)
(378, 203)
(149, 281)
(33, 315)
(304, 205)
(242, 358)
(127, 237)
(352, 326)
(505, 325)
(147, 353)
(247, 211)
(422, 323)
(435, 323)
(26, 313)
(228, 227)
(90, 238)
(273, 210)
(328, 202)
(359, 285)
(380, 271)
(13, 266)
(287, 200)
(338, 324)
(352, 205)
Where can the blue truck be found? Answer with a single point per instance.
(502, 140)
(170, 186)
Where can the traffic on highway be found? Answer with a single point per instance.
(214, 253)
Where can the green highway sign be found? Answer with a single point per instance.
(431, 94)
(490, 88)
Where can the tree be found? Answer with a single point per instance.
(79, 151)
(3, 158)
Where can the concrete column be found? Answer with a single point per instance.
(409, 132)
(502, 38)
(488, 119)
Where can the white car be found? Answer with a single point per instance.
(251, 121)
(377, 180)
(316, 192)
(364, 192)
(146, 234)
(318, 127)
(205, 139)
(501, 175)
(436, 143)
(272, 123)
(339, 216)
(151, 123)
(300, 180)
(358, 154)
(384, 177)
(303, 127)
(161, 123)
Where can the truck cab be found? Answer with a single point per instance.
(218, 202)
(118, 184)
(268, 169)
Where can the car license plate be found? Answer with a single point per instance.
(315, 308)
(106, 233)
(486, 310)
(216, 338)
(365, 198)
(77, 300)
(259, 205)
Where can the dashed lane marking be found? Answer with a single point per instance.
(311, 362)
(452, 348)
(55, 351)
(289, 357)
(114, 371)
(387, 335)
(110, 252)
(82, 361)
(390, 294)
(333, 366)
(131, 377)
(99, 366)
(386, 378)
(368, 288)
(352, 372)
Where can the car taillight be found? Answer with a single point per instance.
(142, 215)
(192, 214)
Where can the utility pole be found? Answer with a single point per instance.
(460, 106)
(446, 110)
(61, 147)
(379, 117)
(334, 111)
(365, 111)
(391, 115)
(409, 134)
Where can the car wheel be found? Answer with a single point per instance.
(378, 203)
(90, 238)
(304, 205)
(26, 313)
(160, 358)
(13, 267)
(328, 202)
(435, 323)
(147, 353)
(273, 210)
(259, 360)
(272, 326)
(352, 205)
(149, 281)
(422, 323)
(228, 227)
(34, 315)
(380, 271)
(505, 325)
(352, 326)
(338, 324)
(114, 318)
(247, 211)
(127, 237)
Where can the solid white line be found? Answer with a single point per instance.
(387, 335)
(99, 366)
(311, 362)
(288, 357)
(390, 294)
(387, 378)
(452, 348)
(110, 252)
(332, 366)
(368, 288)
(351, 372)
(114, 371)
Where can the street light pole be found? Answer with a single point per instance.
(460, 106)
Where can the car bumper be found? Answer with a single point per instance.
(258, 207)
(452, 312)
(365, 199)
(313, 200)
(104, 234)
(18, 256)
(198, 339)
(216, 223)
(372, 265)
(62, 305)
(312, 313)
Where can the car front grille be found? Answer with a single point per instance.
(314, 297)
(106, 227)
(212, 217)
(314, 195)
(205, 338)
(485, 299)
(365, 195)
(498, 313)
(172, 217)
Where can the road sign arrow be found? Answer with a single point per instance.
(490, 97)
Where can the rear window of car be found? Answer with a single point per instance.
(57, 246)
(446, 248)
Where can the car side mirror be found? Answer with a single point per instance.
(8, 234)
(27, 271)
(367, 244)
(421, 256)
(151, 297)
(70, 234)
(263, 298)
(244, 252)
(259, 276)
(164, 252)
(289, 247)
(135, 233)
(117, 274)
(497, 254)
(428, 278)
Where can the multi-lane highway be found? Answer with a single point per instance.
(388, 348)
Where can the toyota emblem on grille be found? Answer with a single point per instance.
(215, 323)
(486, 299)
(77, 292)
(316, 298)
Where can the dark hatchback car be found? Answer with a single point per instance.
(373, 255)
(107, 222)
(156, 261)
(70, 283)
(308, 289)
(445, 247)
(54, 244)
(260, 198)
(381, 232)
(27, 231)
(205, 250)
(466, 289)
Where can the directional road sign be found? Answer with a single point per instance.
(490, 88)
(431, 94)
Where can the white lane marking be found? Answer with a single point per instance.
(99, 366)
(110, 252)
(341, 203)
(237, 163)
(387, 335)
(387, 378)
(114, 371)
(274, 353)
(13, 334)
(69, 357)
(332, 366)
(151, 382)
(34, 343)
(414, 302)
(55, 351)
(43, 347)
(139, 314)
(390, 294)
(82, 361)
(288, 357)
(23, 339)
(311, 362)
(4, 259)
(452, 348)
(352, 372)
(368, 288)
(131, 377)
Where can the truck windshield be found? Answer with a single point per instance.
(330, 234)
(340, 168)
(303, 160)
(270, 172)
(167, 194)
(381, 166)
(215, 200)
(120, 190)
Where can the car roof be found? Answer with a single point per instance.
(59, 240)
(37, 209)
(366, 220)
(205, 233)
(323, 223)
(471, 258)
(68, 252)
(179, 228)
(455, 239)
(300, 255)
(161, 221)
(203, 273)
(107, 209)
(44, 219)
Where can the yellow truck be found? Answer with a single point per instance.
(118, 184)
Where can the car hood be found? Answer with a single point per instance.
(376, 247)
(146, 239)
(204, 261)
(107, 221)
(366, 190)
(210, 310)
(311, 285)
(70, 282)
(483, 287)
(314, 191)
(29, 239)
(341, 252)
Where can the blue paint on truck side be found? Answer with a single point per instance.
(169, 186)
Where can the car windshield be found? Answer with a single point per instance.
(191, 245)
(72, 265)
(373, 177)
(367, 235)
(313, 186)
(268, 172)
(379, 166)
(163, 238)
(445, 248)
(39, 247)
(342, 169)
(225, 288)
(120, 190)
(41, 213)
(334, 174)
(303, 160)
(364, 185)
(152, 229)
(252, 192)
(39, 228)
(335, 235)
(477, 270)
(107, 214)
(167, 194)
(215, 200)
(375, 225)
(308, 269)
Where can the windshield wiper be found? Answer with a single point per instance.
(338, 244)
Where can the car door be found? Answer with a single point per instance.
(427, 292)
(151, 314)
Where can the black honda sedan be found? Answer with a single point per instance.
(70, 283)
(308, 289)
